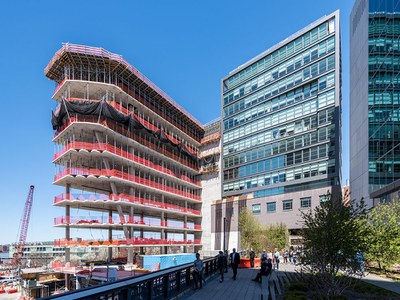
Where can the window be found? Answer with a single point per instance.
(323, 198)
(256, 208)
(305, 202)
(287, 204)
(271, 207)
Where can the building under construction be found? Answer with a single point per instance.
(127, 155)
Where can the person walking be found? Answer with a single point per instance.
(235, 261)
(285, 256)
(198, 271)
(226, 258)
(252, 256)
(276, 259)
(221, 265)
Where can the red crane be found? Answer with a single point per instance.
(25, 222)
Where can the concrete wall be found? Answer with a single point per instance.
(211, 191)
(359, 101)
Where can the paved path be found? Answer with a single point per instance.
(241, 288)
(385, 283)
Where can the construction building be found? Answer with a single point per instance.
(281, 130)
(129, 157)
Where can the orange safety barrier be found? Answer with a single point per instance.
(125, 198)
(124, 176)
(120, 129)
(124, 154)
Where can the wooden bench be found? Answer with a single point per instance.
(273, 285)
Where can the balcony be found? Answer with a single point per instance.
(124, 242)
(122, 198)
(121, 153)
(121, 130)
(124, 176)
(105, 222)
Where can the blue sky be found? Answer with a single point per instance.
(184, 47)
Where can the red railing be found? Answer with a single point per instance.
(124, 154)
(213, 151)
(123, 220)
(103, 53)
(125, 198)
(124, 176)
(123, 242)
(210, 138)
(120, 129)
(156, 110)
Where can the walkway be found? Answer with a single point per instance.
(385, 283)
(241, 288)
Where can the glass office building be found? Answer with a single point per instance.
(281, 125)
(375, 96)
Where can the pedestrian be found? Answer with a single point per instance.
(359, 257)
(252, 256)
(221, 265)
(264, 254)
(226, 257)
(198, 271)
(266, 269)
(291, 255)
(270, 255)
(276, 259)
(285, 256)
(235, 261)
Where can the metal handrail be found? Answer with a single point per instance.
(164, 284)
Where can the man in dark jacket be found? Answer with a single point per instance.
(252, 256)
(221, 264)
(235, 261)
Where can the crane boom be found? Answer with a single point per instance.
(25, 220)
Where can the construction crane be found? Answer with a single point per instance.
(24, 225)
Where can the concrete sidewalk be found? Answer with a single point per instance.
(385, 283)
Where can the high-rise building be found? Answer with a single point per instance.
(374, 97)
(281, 129)
(128, 157)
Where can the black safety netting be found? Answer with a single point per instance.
(103, 109)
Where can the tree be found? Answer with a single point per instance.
(332, 235)
(384, 225)
(257, 237)
(278, 235)
(250, 230)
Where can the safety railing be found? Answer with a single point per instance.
(164, 284)
(210, 138)
(120, 129)
(143, 121)
(146, 103)
(125, 198)
(77, 242)
(119, 152)
(214, 151)
(124, 176)
(123, 220)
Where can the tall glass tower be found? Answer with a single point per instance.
(281, 126)
(374, 96)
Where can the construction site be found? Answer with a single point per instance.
(134, 167)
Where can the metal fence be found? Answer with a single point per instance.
(163, 284)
